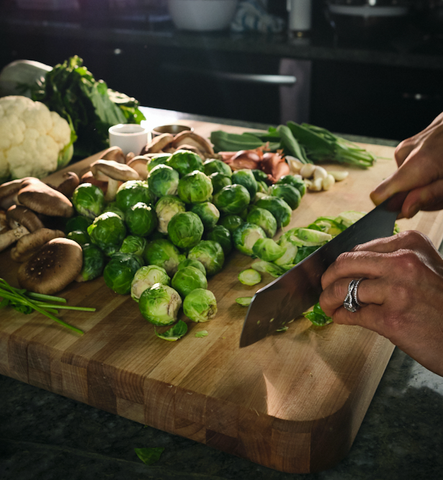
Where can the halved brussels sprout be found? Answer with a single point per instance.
(163, 253)
(296, 182)
(107, 231)
(165, 208)
(219, 180)
(120, 270)
(79, 236)
(249, 276)
(93, 263)
(112, 207)
(288, 193)
(88, 200)
(195, 187)
(208, 214)
(210, 254)
(160, 304)
(163, 180)
(134, 244)
(221, 235)
(200, 305)
(147, 276)
(348, 218)
(267, 249)
(263, 266)
(185, 161)
(185, 229)
(132, 192)
(290, 254)
(159, 159)
(216, 166)
(278, 207)
(246, 178)
(78, 222)
(231, 222)
(187, 279)
(141, 219)
(232, 199)
(190, 262)
(264, 219)
(245, 236)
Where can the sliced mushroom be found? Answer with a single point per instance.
(29, 244)
(52, 268)
(193, 139)
(114, 173)
(140, 165)
(157, 144)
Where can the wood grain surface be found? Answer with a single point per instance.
(293, 401)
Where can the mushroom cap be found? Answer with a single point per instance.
(24, 216)
(140, 165)
(157, 144)
(193, 139)
(45, 200)
(29, 244)
(52, 268)
(9, 192)
(69, 184)
(114, 153)
(109, 169)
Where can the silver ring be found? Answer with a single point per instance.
(351, 302)
(355, 292)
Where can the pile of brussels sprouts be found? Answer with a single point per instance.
(163, 237)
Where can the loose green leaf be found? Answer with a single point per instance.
(149, 456)
(201, 334)
(174, 333)
(317, 316)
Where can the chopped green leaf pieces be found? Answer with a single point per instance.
(174, 333)
(149, 456)
(317, 316)
(249, 277)
(201, 334)
(244, 301)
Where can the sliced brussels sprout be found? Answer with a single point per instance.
(93, 263)
(190, 262)
(267, 249)
(288, 193)
(210, 254)
(249, 276)
(107, 231)
(195, 187)
(165, 208)
(327, 225)
(231, 222)
(185, 229)
(268, 267)
(289, 256)
(264, 219)
(213, 165)
(244, 301)
(348, 218)
(141, 219)
(147, 276)
(246, 178)
(79, 236)
(245, 236)
(221, 235)
(134, 244)
(163, 180)
(208, 213)
(296, 182)
(78, 222)
(132, 192)
(187, 279)
(219, 180)
(185, 161)
(88, 200)
(232, 199)
(112, 207)
(278, 207)
(160, 304)
(179, 330)
(310, 237)
(159, 159)
(163, 253)
(201, 334)
(120, 270)
(200, 305)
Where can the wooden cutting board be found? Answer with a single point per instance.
(293, 402)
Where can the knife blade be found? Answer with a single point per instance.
(287, 297)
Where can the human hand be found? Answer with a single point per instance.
(401, 292)
(420, 171)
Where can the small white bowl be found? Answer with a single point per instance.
(202, 15)
(129, 137)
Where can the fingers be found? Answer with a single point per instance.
(428, 198)
(407, 240)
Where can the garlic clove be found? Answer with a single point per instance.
(307, 170)
(316, 185)
(320, 172)
(327, 182)
(339, 175)
(295, 164)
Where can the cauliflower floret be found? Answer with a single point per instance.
(31, 138)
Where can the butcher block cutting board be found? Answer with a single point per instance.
(293, 401)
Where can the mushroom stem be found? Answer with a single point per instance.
(111, 192)
(11, 236)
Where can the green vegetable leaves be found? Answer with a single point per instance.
(317, 316)
(149, 456)
(174, 333)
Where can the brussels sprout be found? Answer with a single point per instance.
(163, 253)
(232, 199)
(208, 214)
(190, 262)
(278, 207)
(262, 187)
(185, 161)
(187, 279)
(260, 175)
(249, 277)
(107, 231)
(290, 254)
(348, 218)
(245, 236)
(166, 208)
(195, 187)
(296, 182)
(77, 223)
(327, 225)
(112, 207)
(79, 236)
(219, 180)
(231, 222)
(88, 200)
(120, 270)
(132, 192)
(141, 219)
(134, 244)
(288, 193)
(174, 333)
(221, 235)
(200, 305)
(93, 263)
(264, 219)
(145, 277)
(185, 229)
(160, 304)
(244, 301)
(246, 178)
(163, 180)
(263, 266)
(216, 166)
(159, 159)
(267, 249)
(312, 237)
(209, 253)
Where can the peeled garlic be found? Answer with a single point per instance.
(327, 182)
(339, 175)
(307, 170)
(294, 164)
(320, 172)
(316, 185)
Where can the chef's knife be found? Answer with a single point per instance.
(287, 297)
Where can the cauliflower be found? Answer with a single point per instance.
(33, 140)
